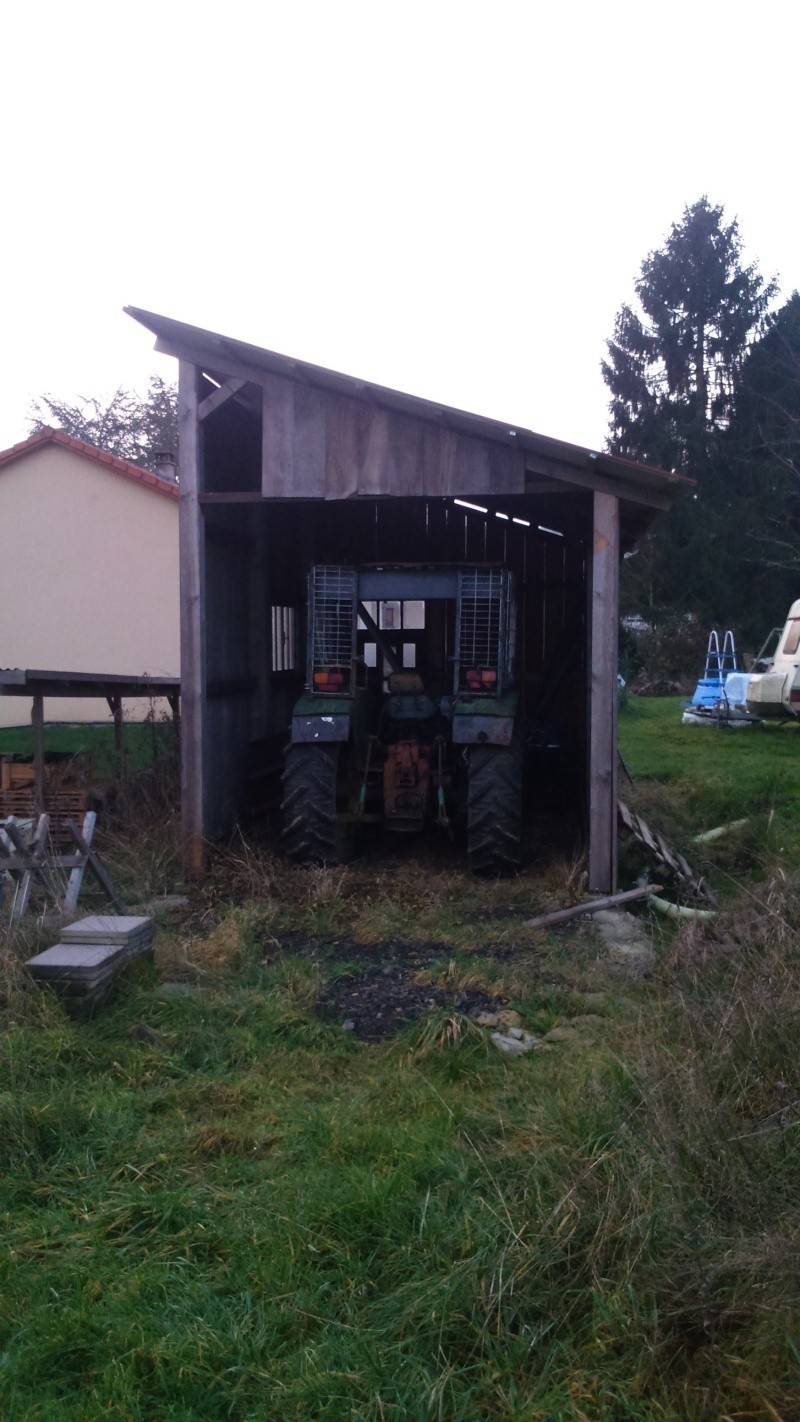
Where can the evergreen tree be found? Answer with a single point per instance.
(672, 365)
(673, 369)
(756, 481)
(132, 427)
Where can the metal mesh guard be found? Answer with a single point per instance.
(480, 622)
(333, 597)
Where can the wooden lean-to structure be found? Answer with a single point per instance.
(284, 465)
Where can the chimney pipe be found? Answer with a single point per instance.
(166, 465)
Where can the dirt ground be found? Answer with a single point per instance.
(374, 989)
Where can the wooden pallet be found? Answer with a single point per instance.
(60, 804)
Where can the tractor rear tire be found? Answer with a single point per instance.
(494, 809)
(312, 831)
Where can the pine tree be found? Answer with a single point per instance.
(673, 369)
(673, 363)
(756, 480)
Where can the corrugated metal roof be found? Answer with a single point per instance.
(222, 355)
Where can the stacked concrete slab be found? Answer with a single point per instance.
(129, 931)
(92, 952)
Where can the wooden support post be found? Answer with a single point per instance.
(193, 670)
(603, 630)
(37, 720)
(115, 704)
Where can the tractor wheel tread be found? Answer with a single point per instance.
(494, 809)
(311, 833)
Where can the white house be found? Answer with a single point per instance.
(88, 569)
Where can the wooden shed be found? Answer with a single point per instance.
(284, 465)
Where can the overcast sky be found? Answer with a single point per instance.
(449, 198)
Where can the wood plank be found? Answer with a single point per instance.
(233, 498)
(222, 363)
(115, 707)
(543, 920)
(603, 632)
(376, 474)
(219, 397)
(597, 482)
(93, 684)
(347, 427)
(76, 876)
(94, 864)
(309, 439)
(17, 863)
(277, 440)
(34, 854)
(37, 720)
(192, 620)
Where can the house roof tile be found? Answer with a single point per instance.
(48, 435)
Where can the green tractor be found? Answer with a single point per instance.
(410, 712)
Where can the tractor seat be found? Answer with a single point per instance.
(408, 700)
(406, 683)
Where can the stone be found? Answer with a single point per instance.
(561, 1034)
(595, 999)
(178, 990)
(504, 1020)
(586, 1021)
(517, 1044)
(168, 903)
(616, 926)
(348, 1025)
(625, 936)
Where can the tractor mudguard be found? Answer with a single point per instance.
(483, 730)
(317, 719)
(484, 720)
(308, 730)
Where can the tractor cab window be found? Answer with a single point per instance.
(392, 616)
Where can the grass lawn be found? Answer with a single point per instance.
(711, 777)
(223, 1203)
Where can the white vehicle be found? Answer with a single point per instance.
(774, 687)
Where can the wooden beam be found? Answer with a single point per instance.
(543, 920)
(219, 397)
(192, 593)
(115, 706)
(252, 497)
(593, 479)
(603, 632)
(226, 364)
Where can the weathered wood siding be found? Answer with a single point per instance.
(316, 444)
